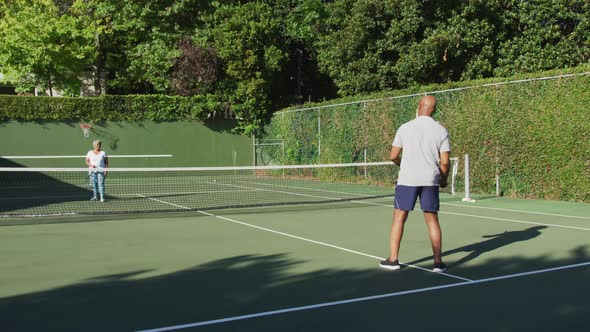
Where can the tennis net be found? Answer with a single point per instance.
(61, 191)
(64, 191)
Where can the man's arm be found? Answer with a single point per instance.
(394, 154)
(445, 166)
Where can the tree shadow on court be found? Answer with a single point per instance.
(249, 284)
(492, 242)
(36, 192)
(107, 138)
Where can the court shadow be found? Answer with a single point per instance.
(492, 242)
(27, 193)
(107, 138)
(249, 284)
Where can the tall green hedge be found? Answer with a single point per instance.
(107, 108)
(535, 135)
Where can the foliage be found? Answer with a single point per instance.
(108, 108)
(372, 45)
(196, 70)
(534, 135)
(40, 46)
(542, 35)
(303, 20)
(138, 40)
(247, 40)
(257, 56)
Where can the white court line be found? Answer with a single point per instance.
(164, 202)
(122, 195)
(327, 304)
(281, 192)
(304, 188)
(512, 210)
(299, 237)
(493, 218)
(449, 204)
(517, 221)
(82, 157)
(441, 212)
(361, 299)
(323, 243)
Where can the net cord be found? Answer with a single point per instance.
(193, 169)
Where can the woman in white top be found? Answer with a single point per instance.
(98, 162)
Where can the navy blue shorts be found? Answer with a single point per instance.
(405, 198)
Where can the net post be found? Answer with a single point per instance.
(319, 134)
(497, 172)
(454, 170)
(253, 150)
(365, 163)
(467, 197)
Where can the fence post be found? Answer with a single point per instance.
(467, 197)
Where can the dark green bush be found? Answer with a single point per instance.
(107, 108)
(535, 135)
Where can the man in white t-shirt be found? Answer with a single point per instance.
(98, 162)
(424, 166)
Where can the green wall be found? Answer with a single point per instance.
(191, 144)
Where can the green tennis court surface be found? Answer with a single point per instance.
(514, 265)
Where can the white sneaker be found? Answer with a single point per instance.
(102, 200)
(93, 199)
(439, 267)
(389, 265)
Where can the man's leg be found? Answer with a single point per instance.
(405, 198)
(435, 234)
(429, 202)
(397, 231)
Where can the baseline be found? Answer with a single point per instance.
(513, 210)
(492, 218)
(361, 299)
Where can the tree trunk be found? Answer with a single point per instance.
(98, 67)
(49, 85)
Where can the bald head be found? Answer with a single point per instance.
(427, 106)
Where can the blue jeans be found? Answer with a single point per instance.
(97, 182)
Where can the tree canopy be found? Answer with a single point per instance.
(257, 56)
(41, 45)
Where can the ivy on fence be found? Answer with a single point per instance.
(535, 135)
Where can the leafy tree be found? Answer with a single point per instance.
(43, 45)
(371, 45)
(301, 76)
(195, 71)
(543, 35)
(458, 41)
(139, 40)
(361, 42)
(247, 39)
(302, 19)
(257, 56)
